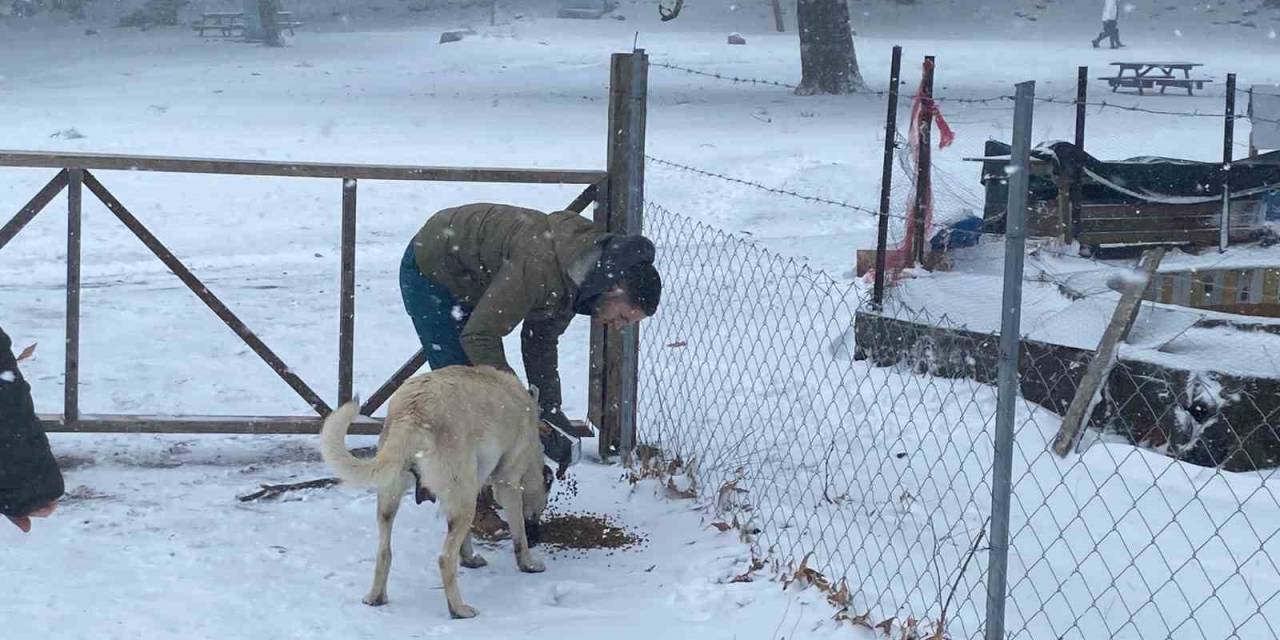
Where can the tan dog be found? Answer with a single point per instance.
(456, 430)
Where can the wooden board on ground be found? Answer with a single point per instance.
(1117, 330)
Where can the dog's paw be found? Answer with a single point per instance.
(375, 599)
(463, 611)
(532, 565)
(474, 562)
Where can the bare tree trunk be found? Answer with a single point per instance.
(268, 11)
(828, 61)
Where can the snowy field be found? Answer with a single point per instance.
(156, 546)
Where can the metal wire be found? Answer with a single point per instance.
(868, 450)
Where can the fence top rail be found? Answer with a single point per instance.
(117, 162)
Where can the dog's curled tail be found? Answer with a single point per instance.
(377, 471)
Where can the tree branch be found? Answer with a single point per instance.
(272, 491)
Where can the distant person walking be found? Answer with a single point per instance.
(1110, 25)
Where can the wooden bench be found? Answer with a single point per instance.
(1141, 83)
(230, 23)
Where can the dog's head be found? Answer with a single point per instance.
(537, 485)
(533, 525)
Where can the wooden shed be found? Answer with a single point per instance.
(1139, 201)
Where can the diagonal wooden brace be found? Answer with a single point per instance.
(206, 296)
(389, 387)
(29, 210)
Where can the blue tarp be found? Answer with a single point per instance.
(964, 233)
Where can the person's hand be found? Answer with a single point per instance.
(555, 444)
(24, 522)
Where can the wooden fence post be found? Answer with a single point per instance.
(924, 191)
(615, 353)
(71, 372)
(347, 294)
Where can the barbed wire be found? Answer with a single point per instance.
(1103, 104)
(721, 76)
(935, 227)
(784, 85)
(1001, 99)
(763, 187)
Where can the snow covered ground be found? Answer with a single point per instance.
(531, 92)
(1069, 301)
(152, 543)
(884, 475)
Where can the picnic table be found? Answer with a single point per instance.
(229, 23)
(1147, 75)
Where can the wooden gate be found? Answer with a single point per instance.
(618, 192)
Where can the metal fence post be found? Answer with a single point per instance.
(1082, 99)
(1077, 194)
(886, 178)
(1228, 139)
(1010, 348)
(615, 352)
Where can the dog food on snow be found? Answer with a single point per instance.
(586, 531)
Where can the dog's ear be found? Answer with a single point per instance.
(533, 393)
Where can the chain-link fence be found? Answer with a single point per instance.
(880, 473)
(855, 444)
(863, 450)
(1175, 538)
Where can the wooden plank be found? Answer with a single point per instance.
(112, 162)
(1231, 287)
(347, 294)
(924, 164)
(389, 387)
(363, 425)
(588, 196)
(605, 346)
(595, 377)
(1199, 295)
(1167, 288)
(595, 355)
(34, 206)
(71, 372)
(616, 350)
(1118, 329)
(864, 261)
(1065, 208)
(1119, 225)
(1204, 237)
(1151, 210)
(1270, 285)
(225, 314)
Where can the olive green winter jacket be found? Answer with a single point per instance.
(509, 264)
